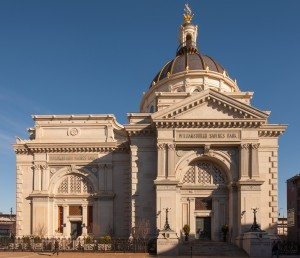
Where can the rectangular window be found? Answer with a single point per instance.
(75, 210)
(90, 219)
(60, 219)
(203, 204)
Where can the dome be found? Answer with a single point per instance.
(187, 60)
(190, 72)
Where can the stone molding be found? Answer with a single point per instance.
(271, 130)
(245, 123)
(59, 148)
(139, 130)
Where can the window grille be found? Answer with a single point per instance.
(74, 184)
(75, 210)
(203, 203)
(204, 173)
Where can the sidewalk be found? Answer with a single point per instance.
(106, 255)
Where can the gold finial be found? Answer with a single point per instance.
(188, 15)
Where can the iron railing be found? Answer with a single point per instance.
(81, 245)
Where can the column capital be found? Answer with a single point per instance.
(171, 146)
(255, 146)
(245, 146)
(161, 146)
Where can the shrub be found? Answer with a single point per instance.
(105, 240)
(88, 240)
(37, 239)
(186, 229)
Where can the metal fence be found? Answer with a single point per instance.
(80, 245)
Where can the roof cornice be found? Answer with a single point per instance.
(30, 148)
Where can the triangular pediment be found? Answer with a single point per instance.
(209, 104)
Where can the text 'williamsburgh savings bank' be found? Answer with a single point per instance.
(208, 136)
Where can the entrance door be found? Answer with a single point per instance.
(76, 229)
(203, 227)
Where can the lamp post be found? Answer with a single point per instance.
(167, 226)
(255, 226)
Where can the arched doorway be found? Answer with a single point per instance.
(73, 206)
(204, 199)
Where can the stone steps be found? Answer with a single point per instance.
(211, 248)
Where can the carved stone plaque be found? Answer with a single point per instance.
(72, 157)
(207, 135)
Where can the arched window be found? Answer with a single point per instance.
(74, 184)
(188, 40)
(204, 173)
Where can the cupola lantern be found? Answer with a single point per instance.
(188, 32)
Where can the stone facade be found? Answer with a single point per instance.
(197, 147)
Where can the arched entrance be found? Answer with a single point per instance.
(204, 198)
(73, 206)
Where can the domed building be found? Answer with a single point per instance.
(198, 152)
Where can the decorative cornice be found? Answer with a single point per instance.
(67, 148)
(139, 130)
(272, 130)
(163, 123)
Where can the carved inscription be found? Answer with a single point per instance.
(208, 135)
(62, 157)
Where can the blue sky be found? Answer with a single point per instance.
(71, 57)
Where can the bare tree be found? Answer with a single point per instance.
(40, 230)
(141, 229)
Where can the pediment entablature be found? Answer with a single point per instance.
(207, 105)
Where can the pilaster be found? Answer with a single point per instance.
(254, 160)
(19, 201)
(161, 160)
(171, 160)
(134, 182)
(84, 220)
(109, 177)
(45, 177)
(37, 178)
(244, 159)
(67, 226)
(101, 177)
